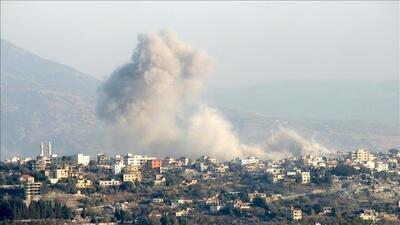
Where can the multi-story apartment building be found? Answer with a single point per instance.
(362, 155)
(305, 177)
(62, 173)
(81, 159)
(296, 214)
(155, 163)
(132, 174)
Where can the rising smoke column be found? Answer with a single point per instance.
(152, 104)
(155, 100)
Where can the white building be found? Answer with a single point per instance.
(249, 160)
(380, 166)
(137, 160)
(305, 177)
(81, 159)
(107, 183)
(117, 168)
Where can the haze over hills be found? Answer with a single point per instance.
(44, 100)
(318, 99)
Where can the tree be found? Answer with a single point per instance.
(259, 202)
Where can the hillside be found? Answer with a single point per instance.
(44, 100)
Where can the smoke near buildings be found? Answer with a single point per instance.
(153, 104)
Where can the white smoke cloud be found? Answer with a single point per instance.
(152, 104)
(286, 142)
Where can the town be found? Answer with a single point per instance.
(357, 187)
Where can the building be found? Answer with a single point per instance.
(81, 159)
(155, 163)
(380, 166)
(32, 189)
(277, 177)
(83, 183)
(137, 160)
(158, 200)
(26, 179)
(102, 159)
(312, 161)
(117, 167)
(368, 214)
(159, 180)
(252, 196)
(181, 213)
(62, 173)
(296, 214)
(305, 177)
(132, 174)
(362, 155)
(249, 160)
(108, 183)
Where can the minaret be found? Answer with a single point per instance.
(41, 149)
(49, 146)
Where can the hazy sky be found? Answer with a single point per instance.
(252, 42)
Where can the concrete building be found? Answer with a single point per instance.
(117, 168)
(81, 159)
(380, 166)
(362, 155)
(368, 214)
(137, 160)
(83, 183)
(132, 174)
(62, 173)
(108, 183)
(32, 189)
(296, 214)
(158, 200)
(249, 160)
(155, 163)
(305, 177)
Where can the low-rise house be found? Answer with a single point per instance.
(83, 183)
(380, 166)
(215, 208)
(182, 212)
(241, 205)
(368, 214)
(159, 180)
(53, 180)
(158, 200)
(190, 182)
(26, 179)
(277, 177)
(252, 196)
(108, 183)
(183, 201)
(212, 201)
(117, 167)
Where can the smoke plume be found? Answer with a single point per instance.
(153, 104)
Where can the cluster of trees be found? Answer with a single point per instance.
(15, 209)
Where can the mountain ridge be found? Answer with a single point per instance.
(43, 100)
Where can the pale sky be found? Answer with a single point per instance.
(252, 42)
